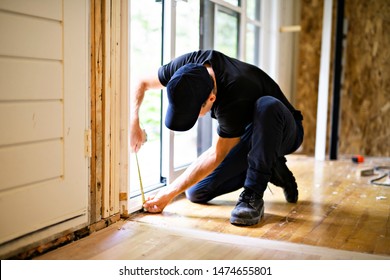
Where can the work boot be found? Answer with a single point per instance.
(283, 177)
(249, 209)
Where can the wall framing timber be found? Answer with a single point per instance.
(109, 107)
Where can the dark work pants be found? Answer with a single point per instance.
(273, 133)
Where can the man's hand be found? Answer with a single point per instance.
(137, 138)
(157, 203)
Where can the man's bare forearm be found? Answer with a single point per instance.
(137, 96)
(204, 164)
(198, 170)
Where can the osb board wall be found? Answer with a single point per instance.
(308, 69)
(366, 98)
(365, 101)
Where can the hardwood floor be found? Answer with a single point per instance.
(339, 215)
(129, 240)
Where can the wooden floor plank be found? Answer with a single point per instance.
(339, 215)
(138, 241)
(337, 209)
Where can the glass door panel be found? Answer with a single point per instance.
(233, 2)
(253, 28)
(226, 31)
(145, 58)
(253, 44)
(253, 10)
(186, 40)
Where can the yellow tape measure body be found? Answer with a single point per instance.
(140, 180)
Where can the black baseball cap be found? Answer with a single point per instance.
(188, 89)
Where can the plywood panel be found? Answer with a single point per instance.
(41, 8)
(27, 79)
(21, 165)
(30, 37)
(309, 68)
(30, 121)
(365, 103)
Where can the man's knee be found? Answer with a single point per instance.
(197, 195)
(268, 107)
(267, 103)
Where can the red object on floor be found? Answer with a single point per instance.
(358, 158)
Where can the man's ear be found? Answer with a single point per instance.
(212, 97)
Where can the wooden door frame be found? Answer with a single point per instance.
(109, 110)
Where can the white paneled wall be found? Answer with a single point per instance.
(43, 115)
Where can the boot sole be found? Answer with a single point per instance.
(247, 222)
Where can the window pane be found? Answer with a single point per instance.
(187, 40)
(253, 9)
(226, 32)
(145, 58)
(253, 44)
(187, 26)
(234, 2)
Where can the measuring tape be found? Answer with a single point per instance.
(140, 180)
(139, 171)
